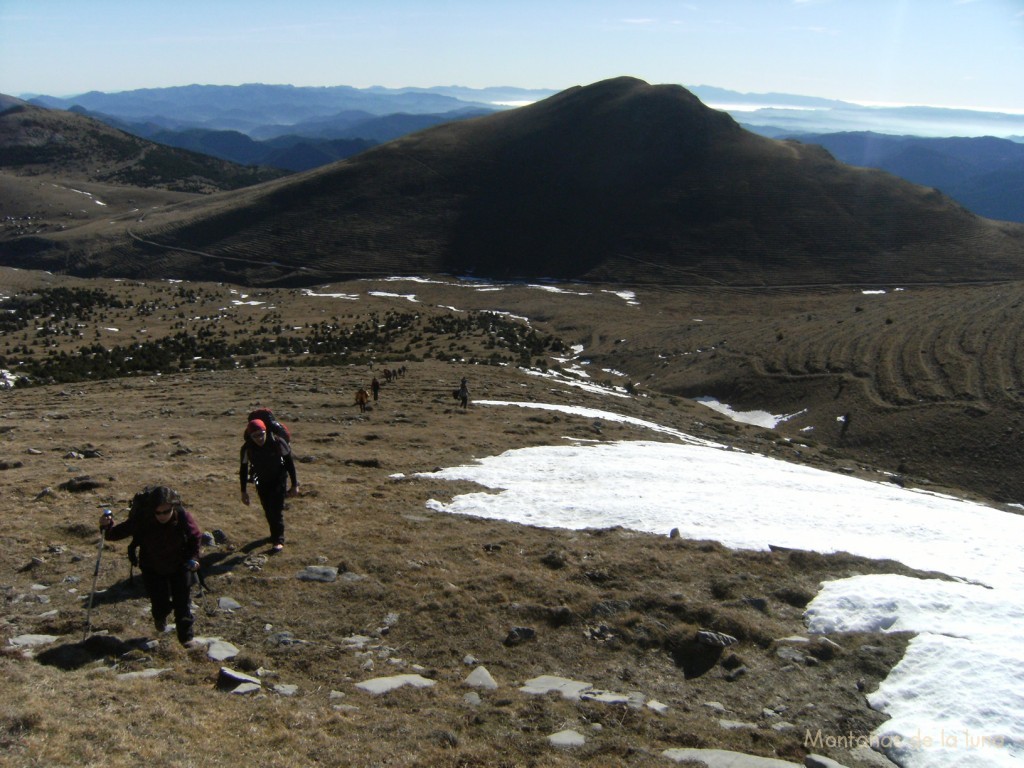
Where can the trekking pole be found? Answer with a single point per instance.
(95, 575)
(196, 580)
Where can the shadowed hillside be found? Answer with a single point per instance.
(36, 140)
(618, 181)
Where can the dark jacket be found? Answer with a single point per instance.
(269, 463)
(164, 548)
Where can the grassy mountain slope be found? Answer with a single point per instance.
(618, 181)
(612, 607)
(36, 140)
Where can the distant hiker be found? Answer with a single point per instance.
(266, 459)
(168, 540)
(375, 388)
(463, 393)
(361, 399)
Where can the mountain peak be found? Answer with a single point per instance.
(618, 181)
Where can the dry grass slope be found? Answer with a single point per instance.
(612, 607)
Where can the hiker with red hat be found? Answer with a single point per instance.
(266, 459)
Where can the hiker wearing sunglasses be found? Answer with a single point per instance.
(168, 539)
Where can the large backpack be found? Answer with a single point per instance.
(144, 501)
(273, 425)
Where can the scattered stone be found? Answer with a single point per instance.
(721, 758)
(246, 688)
(567, 739)
(481, 678)
(356, 642)
(229, 679)
(472, 699)
(714, 639)
(33, 451)
(284, 638)
(737, 725)
(601, 633)
(228, 604)
(221, 650)
(715, 705)
(790, 654)
(656, 706)
(569, 689)
(323, 573)
(820, 761)
(255, 562)
(866, 756)
(470, 660)
(379, 685)
(782, 726)
(46, 492)
(285, 689)
(674, 533)
(519, 635)
(32, 641)
(14, 464)
(219, 537)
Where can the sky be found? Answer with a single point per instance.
(949, 53)
(955, 700)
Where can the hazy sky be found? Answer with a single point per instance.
(938, 52)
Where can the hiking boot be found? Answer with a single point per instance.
(277, 548)
(160, 624)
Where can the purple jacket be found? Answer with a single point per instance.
(164, 548)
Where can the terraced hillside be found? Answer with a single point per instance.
(924, 383)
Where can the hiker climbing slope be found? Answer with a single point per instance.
(266, 458)
(168, 538)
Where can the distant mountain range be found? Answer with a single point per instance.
(619, 181)
(264, 111)
(35, 141)
(297, 129)
(984, 174)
